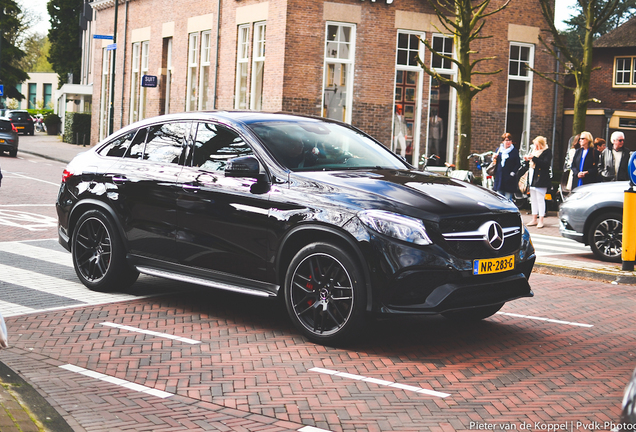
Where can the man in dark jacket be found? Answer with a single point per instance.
(613, 161)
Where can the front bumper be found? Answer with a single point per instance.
(410, 279)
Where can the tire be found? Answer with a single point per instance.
(13, 153)
(605, 237)
(325, 294)
(99, 256)
(473, 314)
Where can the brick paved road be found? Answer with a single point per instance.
(132, 362)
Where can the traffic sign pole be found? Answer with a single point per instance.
(628, 254)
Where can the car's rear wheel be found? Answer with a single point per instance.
(99, 256)
(13, 153)
(325, 294)
(473, 314)
(605, 237)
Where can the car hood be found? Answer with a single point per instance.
(414, 193)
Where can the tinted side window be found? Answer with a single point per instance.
(215, 145)
(118, 146)
(136, 147)
(165, 142)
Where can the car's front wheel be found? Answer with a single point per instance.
(605, 236)
(325, 294)
(99, 256)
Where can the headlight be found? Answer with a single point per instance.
(394, 225)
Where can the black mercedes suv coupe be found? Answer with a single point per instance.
(308, 209)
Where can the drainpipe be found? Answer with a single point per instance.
(123, 72)
(556, 105)
(112, 75)
(216, 61)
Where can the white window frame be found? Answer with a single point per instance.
(193, 62)
(258, 65)
(631, 76)
(204, 70)
(241, 95)
(134, 82)
(417, 121)
(452, 114)
(524, 141)
(350, 62)
(145, 48)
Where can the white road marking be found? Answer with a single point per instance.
(546, 319)
(380, 382)
(550, 245)
(43, 254)
(152, 333)
(32, 178)
(26, 220)
(312, 429)
(117, 381)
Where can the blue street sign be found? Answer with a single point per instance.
(1, 89)
(631, 168)
(102, 37)
(111, 47)
(149, 81)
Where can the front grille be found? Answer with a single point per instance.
(472, 249)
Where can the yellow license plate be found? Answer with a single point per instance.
(493, 265)
(1, 140)
(19, 127)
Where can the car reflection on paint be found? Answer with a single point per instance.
(308, 209)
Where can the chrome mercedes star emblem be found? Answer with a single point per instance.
(493, 234)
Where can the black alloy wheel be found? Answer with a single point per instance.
(606, 237)
(325, 294)
(473, 314)
(98, 254)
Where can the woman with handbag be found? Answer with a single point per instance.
(507, 163)
(540, 160)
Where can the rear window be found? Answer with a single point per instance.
(18, 116)
(5, 126)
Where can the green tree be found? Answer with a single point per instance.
(595, 14)
(65, 55)
(464, 20)
(10, 55)
(36, 48)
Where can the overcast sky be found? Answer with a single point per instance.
(562, 12)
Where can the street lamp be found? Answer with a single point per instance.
(608, 116)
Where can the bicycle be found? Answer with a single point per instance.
(482, 160)
(447, 170)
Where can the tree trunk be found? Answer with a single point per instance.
(464, 104)
(582, 91)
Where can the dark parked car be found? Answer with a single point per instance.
(22, 120)
(593, 214)
(628, 413)
(9, 139)
(305, 208)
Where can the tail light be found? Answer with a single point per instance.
(65, 175)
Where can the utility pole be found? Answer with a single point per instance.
(111, 119)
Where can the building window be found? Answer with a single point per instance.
(242, 63)
(519, 94)
(338, 71)
(135, 82)
(408, 94)
(441, 115)
(191, 89)
(47, 95)
(204, 72)
(104, 111)
(624, 71)
(166, 64)
(33, 89)
(258, 67)
(144, 71)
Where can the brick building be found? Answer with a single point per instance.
(613, 82)
(352, 60)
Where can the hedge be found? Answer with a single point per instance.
(77, 128)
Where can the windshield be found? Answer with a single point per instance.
(315, 146)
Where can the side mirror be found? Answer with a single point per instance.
(244, 166)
